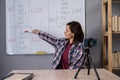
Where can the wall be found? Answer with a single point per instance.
(93, 29)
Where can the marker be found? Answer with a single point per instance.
(40, 52)
(26, 31)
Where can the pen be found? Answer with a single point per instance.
(26, 31)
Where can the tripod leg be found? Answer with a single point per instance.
(90, 59)
(80, 67)
(88, 63)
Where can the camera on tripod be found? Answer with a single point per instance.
(90, 42)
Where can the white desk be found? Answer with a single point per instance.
(69, 74)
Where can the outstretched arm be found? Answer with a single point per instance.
(47, 37)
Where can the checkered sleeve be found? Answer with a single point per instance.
(77, 59)
(49, 38)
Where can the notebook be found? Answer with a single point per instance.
(19, 76)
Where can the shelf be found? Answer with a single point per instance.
(107, 39)
(116, 68)
(113, 32)
(106, 67)
(116, 1)
(116, 32)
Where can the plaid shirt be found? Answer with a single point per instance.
(75, 56)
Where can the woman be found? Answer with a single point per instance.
(68, 51)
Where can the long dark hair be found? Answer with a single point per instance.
(76, 28)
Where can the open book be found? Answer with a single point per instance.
(20, 76)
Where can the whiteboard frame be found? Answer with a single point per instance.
(33, 54)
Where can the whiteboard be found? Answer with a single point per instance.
(47, 15)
